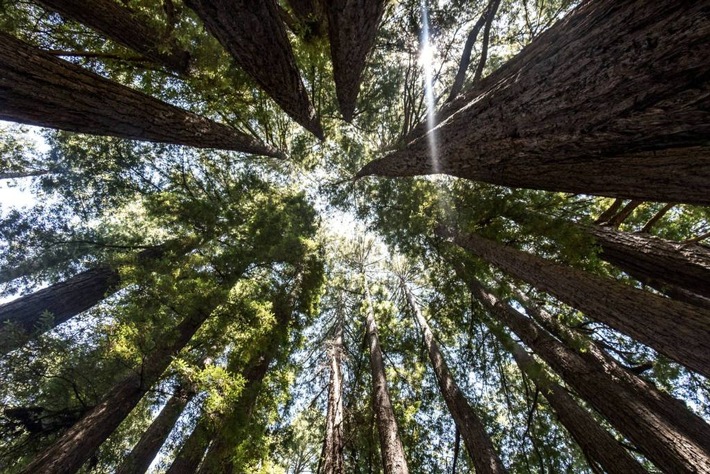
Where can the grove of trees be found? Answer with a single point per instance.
(354, 236)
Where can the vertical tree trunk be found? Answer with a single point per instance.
(188, 458)
(391, 448)
(333, 460)
(478, 443)
(38, 89)
(677, 330)
(118, 23)
(252, 32)
(143, 453)
(352, 28)
(612, 100)
(659, 440)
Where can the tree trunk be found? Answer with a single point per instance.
(193, 450)
(22, 174)
(612, 100)
(118, 23)
(392, 451)
(650, 258)
(657, 217)
(675, 329)
(352, 27)
(37, 88)
(333, 460)
(78, 444)
(143, 453)
(616, 220)
(597, 444)
(252, 32)
(478, 443)
(659, 440)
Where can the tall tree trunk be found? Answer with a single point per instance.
(612, 100)
(76, 445)
(188, 458)
(623, 214)
(333, 460)
(118, 23)
(392, 451)
(143, 453)
(37, 88)
(650, 258)
(657, 217)
(478, 443)
(658, 439)
(677, 330)
(352, 27)
(252, 32)
(493, 9)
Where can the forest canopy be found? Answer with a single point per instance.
(354, 236)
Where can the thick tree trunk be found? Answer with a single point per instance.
(38, 89)
(333, 459)
(391, 449)
(478, 443)
(675, 329)
(658, 439)
(650, 258)
(76, 445)
(118, 23)
(193, 449)
(143, 453)
(612, 100)
(597, 444)
(352, 27)
(252, 32)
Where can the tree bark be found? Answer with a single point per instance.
(610, 211)
(143, 453)
(658, 439)
(486, 40)
(478, 443)
(333, 459)
(352, 28)
(252, 32)
(118, 23)
(657, 217)
(392, 451)
(612, 100)
(193, 450)
(675, 329)
(623, 214)
(650, 258)
(37, 88)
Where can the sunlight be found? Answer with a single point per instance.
(426, 58)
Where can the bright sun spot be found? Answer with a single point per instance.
(426, 56)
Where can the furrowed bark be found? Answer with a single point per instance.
(37, 88)
(352, 28)
(252, 32)
(478, 443)
(118, 23)
(675, 329)
(613, 100)
(333, 459)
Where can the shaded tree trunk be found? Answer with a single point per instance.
(478, 443)
(352, 28)
(658, 439)
(252, 32)
(675, 329)
(657, 217)
(493, 9)
(610, 211)
(143, 453)
(193, 449)
(333, 459)
(118, 23)
(391, 449)
(22, 174)
(37, 88)
(612, 100)
(616, 220)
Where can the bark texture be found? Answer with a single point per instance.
(391, 449)
(193, 450)
(118, 23)
(252, 32)
(352, 28)
(478, 444)
(659, 439)
(37, 88)
(333, 459)
(612, 100)
(677, 330)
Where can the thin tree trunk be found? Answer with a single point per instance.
(118, 23)
(188, 458)
(486, 41)
(352, 27)
(37, 88)
(659, 440)
(252, 32)
(22, 174)
(478, 443)
(392, 451)
(610, 211)
(657, 217)
(78, 444)
(333, 460)
(675, 329)
(623, 214)
(612, 100)
(143, 453)
(650, 258)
